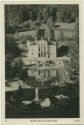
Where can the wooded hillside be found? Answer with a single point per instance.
(18, 16)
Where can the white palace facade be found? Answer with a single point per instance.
(40, 50)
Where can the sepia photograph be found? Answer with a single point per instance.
(42, 61)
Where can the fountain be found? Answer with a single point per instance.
(36, 95)
(44, 103)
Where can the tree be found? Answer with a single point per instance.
(59, 39)
(50, 22)
(52, 11)
(73, 66)
(39, 16)
(67, 13)
(49, 29)
(74, 55)
(17, 14)
(13, 62)
(45, 14)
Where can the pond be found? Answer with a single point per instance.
(34, 100)
(25, 103)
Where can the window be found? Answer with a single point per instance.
(39, 54)
(39, 48)
(50, 51)
(44, 48)
(44, 51)
(44, 55)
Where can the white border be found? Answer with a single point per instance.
(49, 121)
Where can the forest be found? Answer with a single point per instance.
(20, 16)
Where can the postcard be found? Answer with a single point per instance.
(41, 66)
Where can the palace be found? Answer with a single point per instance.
(41, 47)
(41, 50)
